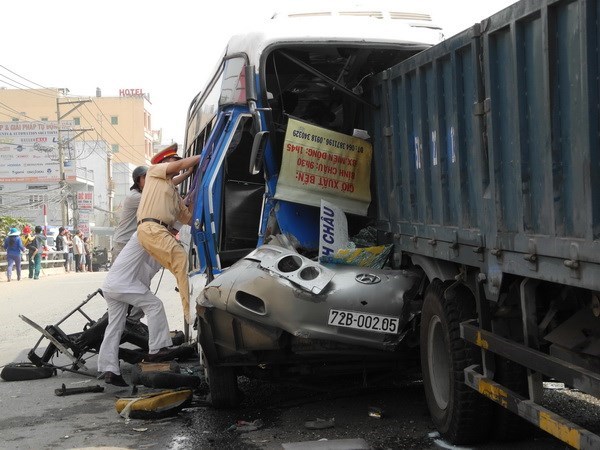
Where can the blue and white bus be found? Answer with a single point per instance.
(310, 65)
(301, 75)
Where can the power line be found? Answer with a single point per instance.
(20, 76)
(132, 154)
(91, 150)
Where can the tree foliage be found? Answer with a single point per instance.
(8, 222)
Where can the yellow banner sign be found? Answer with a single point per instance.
(322, 164)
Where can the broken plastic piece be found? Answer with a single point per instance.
(320, 424)
(373, 257)
(243, 426)
(375, 412)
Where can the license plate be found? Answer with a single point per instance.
(364, 321)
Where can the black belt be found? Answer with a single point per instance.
(149, 219)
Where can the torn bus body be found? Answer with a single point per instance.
(283, 290)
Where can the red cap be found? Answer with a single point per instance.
(170, 151)
(26, 229)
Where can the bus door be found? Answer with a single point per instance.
(230, 197)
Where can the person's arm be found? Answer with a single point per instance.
(178, 179)
(174, 167)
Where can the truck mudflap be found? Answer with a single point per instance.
(557, 426)
(571, 374)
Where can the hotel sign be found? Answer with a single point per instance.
(134, 93)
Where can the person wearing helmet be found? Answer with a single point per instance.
(161, 207)
(128, 222)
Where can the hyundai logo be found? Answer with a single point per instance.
(367, 278)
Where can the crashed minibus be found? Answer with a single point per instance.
(270, 306)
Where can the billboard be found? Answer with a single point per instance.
(85, 201)
(29, 152)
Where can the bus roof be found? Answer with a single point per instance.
(354, 27)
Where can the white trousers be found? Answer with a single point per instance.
(158, 326)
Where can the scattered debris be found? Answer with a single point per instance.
(163, 375)
(64, 391)
(23, 371)
(243, 426)
(323, 444)
(319, 424)
(154, 406)
(375, 412)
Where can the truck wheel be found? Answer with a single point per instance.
(222, 382)
(460, 414)
(509, 427)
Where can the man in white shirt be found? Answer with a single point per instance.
(128, 283)
(78, 250)
(128, 222)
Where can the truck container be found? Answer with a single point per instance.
(487, 155)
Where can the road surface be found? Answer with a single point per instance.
(32, 417)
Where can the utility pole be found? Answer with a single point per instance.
(61, 148)
(110, 182)
(111, 186)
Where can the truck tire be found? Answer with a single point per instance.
(461, 415)
(509, 427)
(222, 383)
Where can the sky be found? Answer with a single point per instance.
(166, 48)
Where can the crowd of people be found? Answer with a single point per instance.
(75, 248)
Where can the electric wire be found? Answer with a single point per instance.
(20, 76)
(16, 200)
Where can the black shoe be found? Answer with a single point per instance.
(164, 354)
(114, 379)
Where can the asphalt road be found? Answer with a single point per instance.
(32, 417)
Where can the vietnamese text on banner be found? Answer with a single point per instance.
(322, 164)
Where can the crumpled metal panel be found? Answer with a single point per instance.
(307, 274)
(252, 289)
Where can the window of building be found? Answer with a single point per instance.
(44, 119)
(114, 120)
(115, 148)
(76, 121)
(15, 119)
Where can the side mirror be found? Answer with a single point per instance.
(258, 151)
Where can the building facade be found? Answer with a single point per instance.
(124, 122)
(67, 160)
